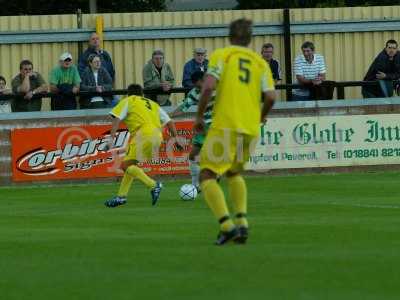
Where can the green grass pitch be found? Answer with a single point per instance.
(312, 237)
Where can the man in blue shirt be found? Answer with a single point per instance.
(197, 63)
(267, 52)
(94, 48)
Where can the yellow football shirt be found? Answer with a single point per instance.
(242, 77)
(139, 113)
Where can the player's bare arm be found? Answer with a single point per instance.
(176, 113)
(269, 100)
(207, 90)
(115, 125)
(174, 134)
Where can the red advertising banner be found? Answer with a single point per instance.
(79, 152)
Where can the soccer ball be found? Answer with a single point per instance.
(188, 192)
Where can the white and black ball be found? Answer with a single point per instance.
(188, 192)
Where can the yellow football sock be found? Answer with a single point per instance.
(138, 173)
(238, 194)
(125, 185)
(216, 201)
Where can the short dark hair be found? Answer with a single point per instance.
(240, 32)
(135, 89)
(267, 45)
(308, 45)
(3, 79)
(25, 62)
(391, 42)
(157, 52)
(92, 56)
(196, 76)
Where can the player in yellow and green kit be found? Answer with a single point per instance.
(240, 78)
(192, 99)
(144, 119)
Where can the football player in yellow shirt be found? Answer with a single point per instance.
(240, 78)
(144, 119)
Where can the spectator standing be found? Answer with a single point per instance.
(157, 74)
(64, 81)
(310, 70)
(94, 48)
(95, 79)
(197, 63)
(26, 84)
(385, 68)
(4, 104)
(267, 52)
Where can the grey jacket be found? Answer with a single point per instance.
(152, 80)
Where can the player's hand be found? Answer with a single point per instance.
(176, 113)
(108, 146)
(264, 120)
(180, 143)
(199, 125)
(179, 147)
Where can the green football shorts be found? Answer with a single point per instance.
(198, 138)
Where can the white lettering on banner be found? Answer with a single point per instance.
(70, 151)
(327, 141)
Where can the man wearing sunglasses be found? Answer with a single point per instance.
(65, 82)
(26, 85)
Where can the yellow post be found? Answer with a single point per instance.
(99, 29)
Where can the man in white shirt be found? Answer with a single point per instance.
(310, 70)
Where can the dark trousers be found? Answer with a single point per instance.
(62, 102)
(383, 90)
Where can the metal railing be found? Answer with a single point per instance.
(338, 85)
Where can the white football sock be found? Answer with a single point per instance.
(194, 172)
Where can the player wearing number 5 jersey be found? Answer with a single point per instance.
(240, 77)
(144, 119)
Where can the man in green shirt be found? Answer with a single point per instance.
(26, 84)
(64, 81)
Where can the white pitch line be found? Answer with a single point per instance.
(367, 205)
